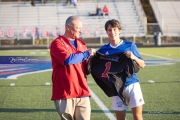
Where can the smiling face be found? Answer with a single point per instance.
(73, 28)
(113, 33)
(113, 29)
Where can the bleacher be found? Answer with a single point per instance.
(20, 14)
(168, 16)
(130, 19)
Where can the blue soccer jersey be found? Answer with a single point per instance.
(123, 46)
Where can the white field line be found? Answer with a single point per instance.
(96, 99)
(4, 70)
(102, 106)
(17, 75)
(156, 56)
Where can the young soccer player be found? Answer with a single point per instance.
(132, 86)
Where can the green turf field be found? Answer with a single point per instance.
(29, 99)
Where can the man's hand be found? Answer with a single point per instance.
(92, 51)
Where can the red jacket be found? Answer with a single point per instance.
(106, 10)
(69, 81)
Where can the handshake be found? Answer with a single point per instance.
(92, 51)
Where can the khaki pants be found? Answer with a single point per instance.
(74, 109)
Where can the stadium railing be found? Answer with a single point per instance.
(96, 40)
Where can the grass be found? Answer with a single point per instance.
(30, 98)
(160, 98)
(25, 52)
(167, 52)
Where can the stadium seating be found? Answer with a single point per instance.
(20, 15)
(168, 16)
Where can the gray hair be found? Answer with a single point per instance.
(70, 20)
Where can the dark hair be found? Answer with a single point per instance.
(113, 23)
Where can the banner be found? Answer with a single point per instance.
(47, 34)
(54, 32)
(34, 32)
(87, 31)
(97, 31)
(25, 31)
(1, 32)
(10, 32)
(43, 32)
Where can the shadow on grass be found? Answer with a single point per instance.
(27, 110)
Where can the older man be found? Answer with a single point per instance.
(69, 57)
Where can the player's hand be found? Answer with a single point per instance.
(92, 51)
(130, 55)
